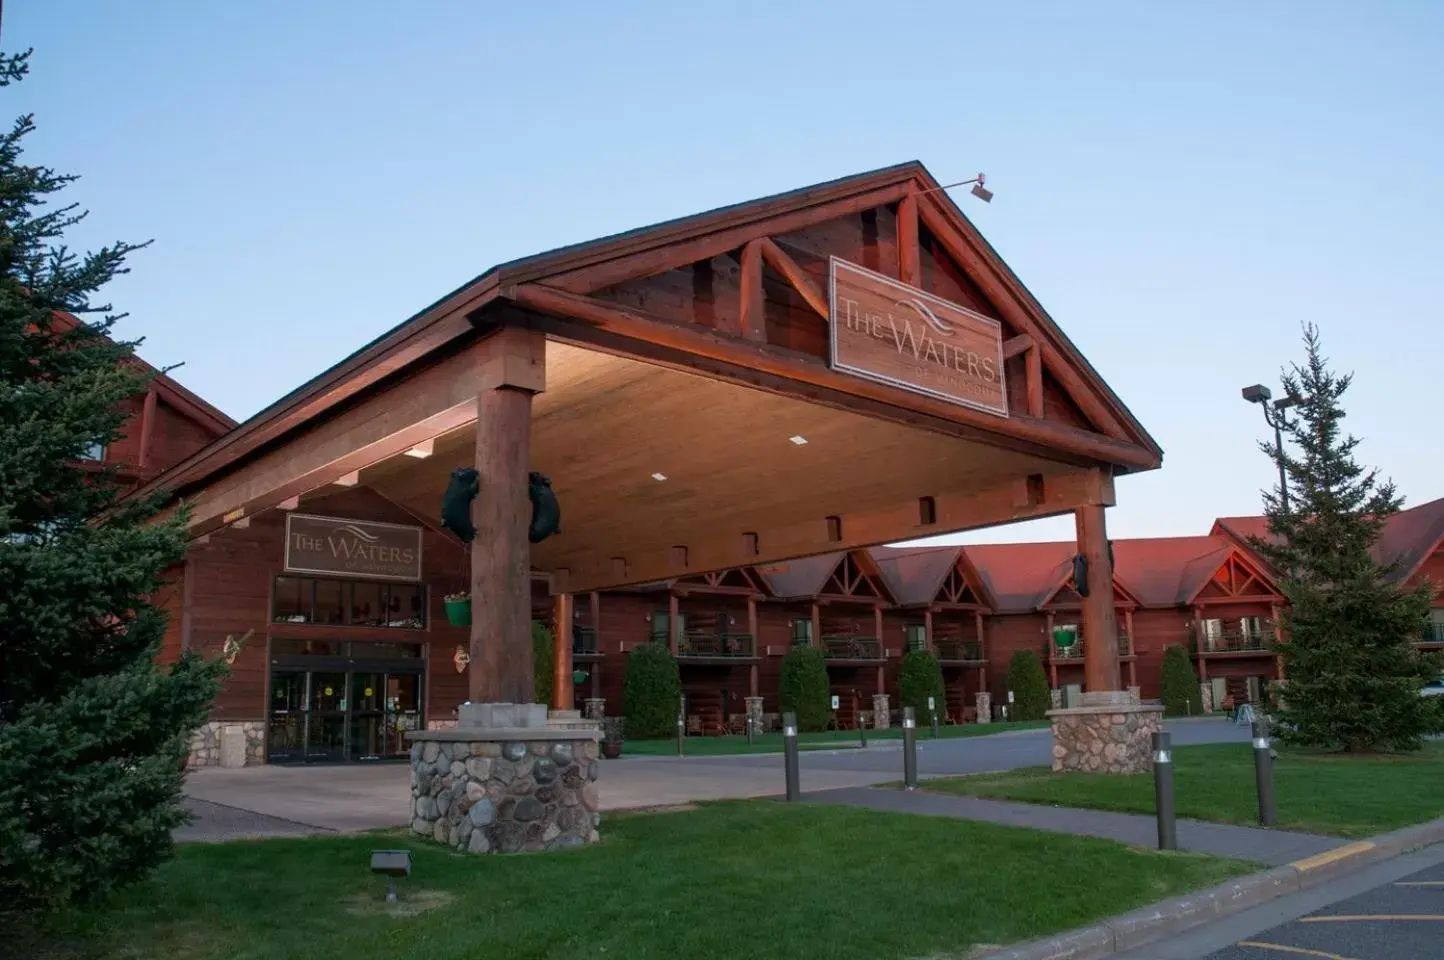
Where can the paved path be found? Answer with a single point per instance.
(1357, 917)
(1272, 847)
(215, 821)
(365, 797)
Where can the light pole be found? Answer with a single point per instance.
(1261, 395)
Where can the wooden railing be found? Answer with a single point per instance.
(1075, 652)
(852, 648)
(959, 650)
(716, 645)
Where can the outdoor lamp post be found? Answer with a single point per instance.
(1261, 395)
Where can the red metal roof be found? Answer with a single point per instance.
(914, 574)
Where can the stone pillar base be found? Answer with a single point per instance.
(486, 788)
(595, 708)
(1205, 692)
(1136, 693)
(984, 701)
(754, 710)
(228, 744)
(881, 712)
(1110, 733)
(1055, 697)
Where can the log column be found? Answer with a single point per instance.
(752, 632)
(1100, 621)
(513, 368)
(562, 691)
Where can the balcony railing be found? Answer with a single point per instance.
(699, 645)
(1435, 633)
(852, 648)
(964, 651)
(1074, 652)
(1235, 641)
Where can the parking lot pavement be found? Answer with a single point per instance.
(215, 821)
(1391, 911)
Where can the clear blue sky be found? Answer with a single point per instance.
(1181, 185)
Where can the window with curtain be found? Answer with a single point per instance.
(917, 635)
(801, 633)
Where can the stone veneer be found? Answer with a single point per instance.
(207, 742)
(984, 701)
(881, 715)
(595, 708)
(506, 781)
(1109, 733)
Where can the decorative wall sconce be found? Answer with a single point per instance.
(233, 646)
(460, 658)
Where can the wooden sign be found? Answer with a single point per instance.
(352, 548)
(899, 335)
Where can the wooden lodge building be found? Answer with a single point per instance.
(734, 410)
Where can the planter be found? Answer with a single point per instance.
(458, 611)
(611, 749)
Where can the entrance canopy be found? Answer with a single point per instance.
(844, 365)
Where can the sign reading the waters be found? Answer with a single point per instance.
(896, 334)
(353, 548)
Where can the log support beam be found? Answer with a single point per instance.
(501, 649)
(147, 427)
(1100, 620)
(562, 692)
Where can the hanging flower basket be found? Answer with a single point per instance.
(458, 609)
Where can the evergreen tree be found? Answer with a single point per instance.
(1029, 685)
(1181, 694)
(920, 676)
(541, 657)
(803, 688)
(1352, 672)
(93, 734)
(651, 692)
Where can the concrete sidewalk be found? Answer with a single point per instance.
(1271, 847)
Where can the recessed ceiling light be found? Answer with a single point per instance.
(422, 450)
(659, 477)
(798, 439)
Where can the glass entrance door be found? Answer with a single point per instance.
(326, 718)
(403, 711)
(286, 729)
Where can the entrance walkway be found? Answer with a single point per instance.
(1272, 847)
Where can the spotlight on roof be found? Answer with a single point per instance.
(1257, 393)
(982, 192)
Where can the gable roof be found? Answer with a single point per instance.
(914, 575)
(799, 579)
(451, 317)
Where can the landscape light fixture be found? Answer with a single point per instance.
(391, 864)
(1274, 416)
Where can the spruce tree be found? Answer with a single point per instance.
(1029, 685)
(93, 733)
(1352, 673)
(1181, 694)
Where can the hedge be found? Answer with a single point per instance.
(921, 676)
(1181, 695)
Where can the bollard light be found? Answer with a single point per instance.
(789, 756)
(1163, 791)
(910, 749)
(1263, 767)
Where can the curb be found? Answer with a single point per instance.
(1156, 921)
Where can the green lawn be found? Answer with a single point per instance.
(727, 880)
(1335, 794)
(831, 740)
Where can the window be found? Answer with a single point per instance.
(1212, 634)
(662, 626)
(1436, 626)
(1250, 628)
(356, 603)
(802, 633)
(93, 451)
(917, 634)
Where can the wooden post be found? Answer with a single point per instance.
(674, 624)
(1132, 647)
(147, 426)
(501, 651)
(982, 628)
(562, 692)
(928, 631)
(881, 679)
(877, 628)
(1100, 620)
(752, 631)
(1052, 653)
(816, 625)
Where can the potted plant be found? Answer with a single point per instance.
(612, 736)
(458, 609)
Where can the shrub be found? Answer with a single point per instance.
(541, 663)
(803, 687)
(921, 676)
(651, 692)
(1029, 685)
(1181, 695)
